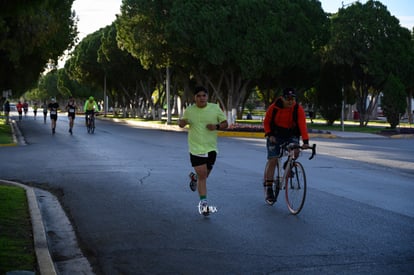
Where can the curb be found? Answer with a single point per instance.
(403, 136)
(17, 134)
(18, 138)
(261, 135)
(44, 259)
(148, 125)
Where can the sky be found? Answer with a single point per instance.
(402, 9)
(96, 14)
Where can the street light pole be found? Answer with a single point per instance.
(167, 82)
(105, 99)
(343, 110)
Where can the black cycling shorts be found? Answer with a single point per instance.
(209, 160)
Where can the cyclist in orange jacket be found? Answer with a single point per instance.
(285, 121)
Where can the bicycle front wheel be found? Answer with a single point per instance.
(88, 126)
(295, 184)
(92, 126)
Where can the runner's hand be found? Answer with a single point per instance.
(211, 127)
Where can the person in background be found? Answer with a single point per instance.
(90, 107)
(204, 120)
(311, 113)
(7, 110)
(19, 107)
(71, 109)
(53, 108)
(45, 107)
(35, 107)
(25, 108)
(280, 126)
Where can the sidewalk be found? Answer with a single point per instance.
(312, 134)
(340, 134)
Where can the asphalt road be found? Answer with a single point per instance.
(125, 191)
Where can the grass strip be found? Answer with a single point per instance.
(16, 239)
(5, 132)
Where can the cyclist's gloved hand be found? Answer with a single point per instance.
(305, 144)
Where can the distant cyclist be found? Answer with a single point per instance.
(90, 107)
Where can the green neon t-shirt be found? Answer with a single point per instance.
(200, 139)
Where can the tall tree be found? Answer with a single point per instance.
(34, 33)
(141, 30)
(133, 83)
(372, 44)
(71, 87)
(406, 72)
(239, 41)
(393, 101)
(48, 85)
(83, 64)
(329, 96)
(225, 43)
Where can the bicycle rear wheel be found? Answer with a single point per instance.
(295, 184)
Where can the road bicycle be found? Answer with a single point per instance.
(293, 179)
(90, 124)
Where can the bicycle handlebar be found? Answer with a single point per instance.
(297, 146)
(313, 151)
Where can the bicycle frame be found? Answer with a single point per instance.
(293, 174)
(91, 123)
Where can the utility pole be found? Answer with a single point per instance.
(343, 110)
(167, 83)
(105, 99)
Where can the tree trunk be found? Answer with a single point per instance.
(410, 110)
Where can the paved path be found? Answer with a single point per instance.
(43, 255)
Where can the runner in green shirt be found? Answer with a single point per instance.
(204, 119)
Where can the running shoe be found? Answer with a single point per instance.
(193, 181)
(270, 196)
(203, 208)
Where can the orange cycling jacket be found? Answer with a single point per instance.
(284, 119)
